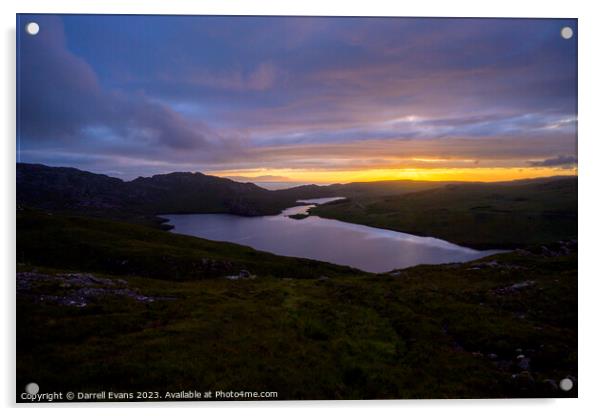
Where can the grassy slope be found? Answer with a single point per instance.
(475, 215)
(416, 335)
(100, 245)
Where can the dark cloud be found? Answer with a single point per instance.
(260, 178)
(556, 161)
(147, 94)
(60, 96)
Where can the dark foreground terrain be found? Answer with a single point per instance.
(104, 305)
(108, 301)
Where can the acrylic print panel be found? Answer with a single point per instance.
(291, 208)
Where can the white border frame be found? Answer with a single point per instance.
(590, 70)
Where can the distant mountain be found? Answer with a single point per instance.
(69, 189)
(73, 190)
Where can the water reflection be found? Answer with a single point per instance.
(360, 246)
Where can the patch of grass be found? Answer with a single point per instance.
(425, 334)
(479, 215)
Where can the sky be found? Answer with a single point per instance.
(299, 99)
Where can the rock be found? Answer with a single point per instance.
(492, 356)
(513, 288)
(521, 285)
(560, 248)
(520, 357)
(76, 289)
(323, 278)
(233, 277)
(243, 274)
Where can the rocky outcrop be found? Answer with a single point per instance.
(77, 290)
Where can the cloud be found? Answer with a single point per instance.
(565, 161)
(403, 153)
(260, 178)
(149, 94)
(60, 96)
(259, 78)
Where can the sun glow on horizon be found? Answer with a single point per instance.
(419, 174)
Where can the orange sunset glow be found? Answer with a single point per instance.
(371, 175)
(295, 100)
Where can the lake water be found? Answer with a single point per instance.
(366, 248)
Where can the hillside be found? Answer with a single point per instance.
(73, 190)
(123, 307)
(106, 246)
(480, 215)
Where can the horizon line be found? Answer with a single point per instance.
(295, 183)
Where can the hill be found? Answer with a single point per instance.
(72, 190)
(480, 215)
